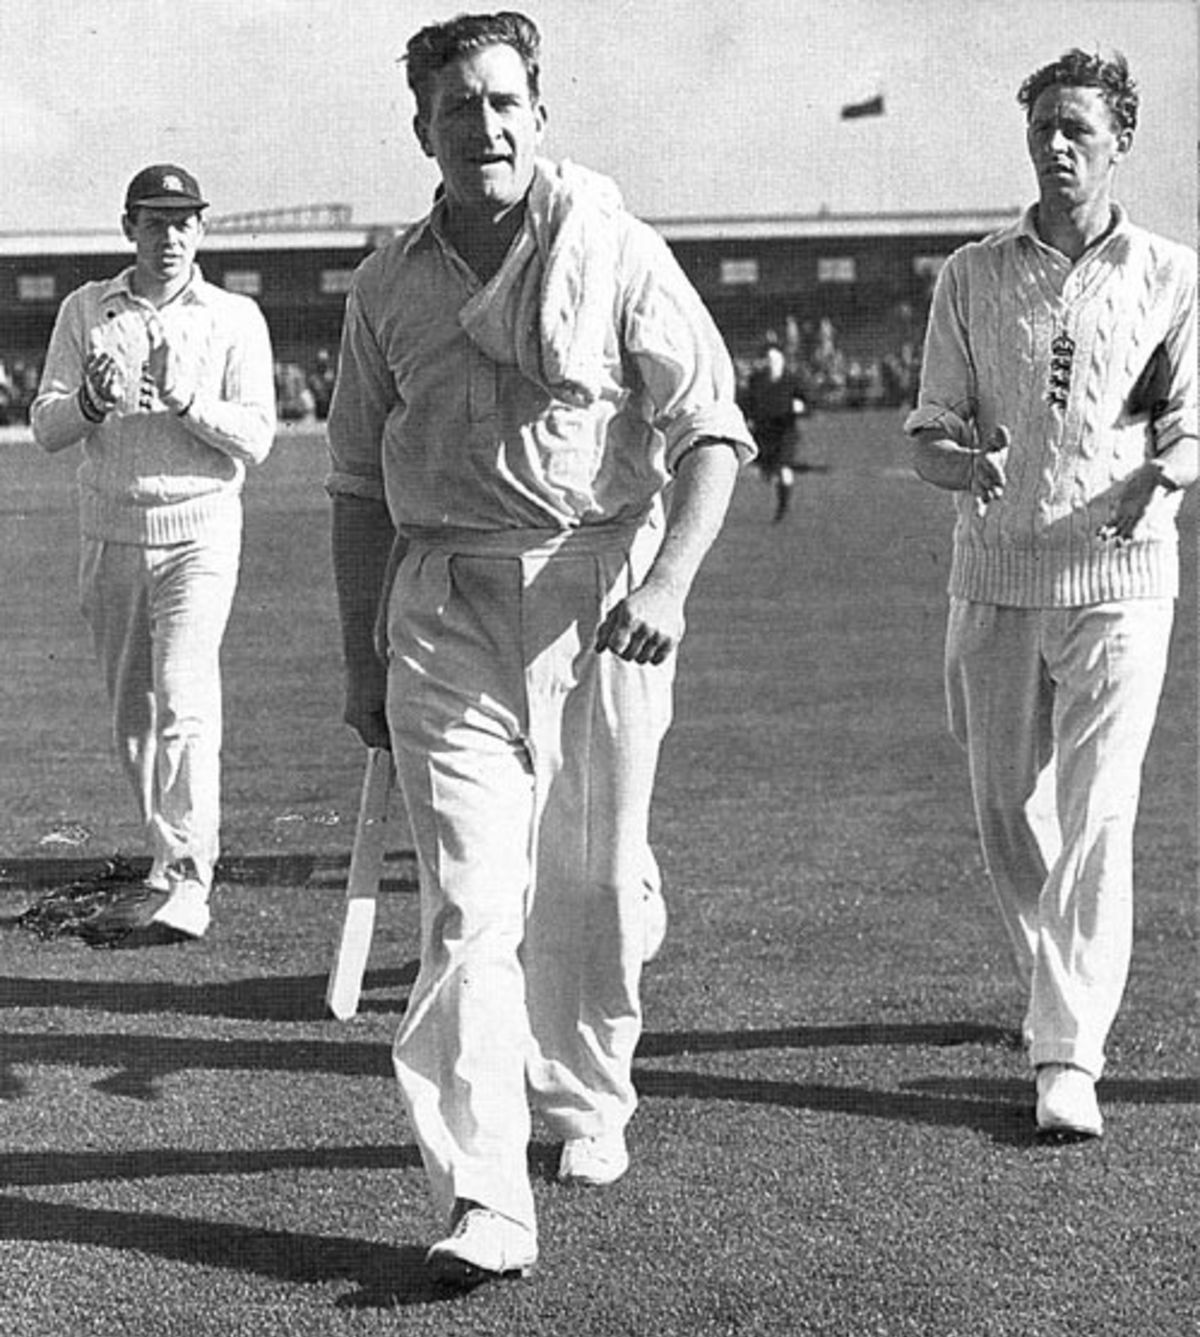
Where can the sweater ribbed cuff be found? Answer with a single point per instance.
(91, 410)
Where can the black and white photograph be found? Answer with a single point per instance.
(598, 726)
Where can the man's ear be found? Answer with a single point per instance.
(127, 226)
(421, 130)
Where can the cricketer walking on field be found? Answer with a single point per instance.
(166, 382)
(1058, 398)
(524, 374)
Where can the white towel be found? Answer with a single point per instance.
(549, 310)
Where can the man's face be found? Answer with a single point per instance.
(1074, 144)
(483, 128)
(165, 241)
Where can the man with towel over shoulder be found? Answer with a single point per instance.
(534, 440)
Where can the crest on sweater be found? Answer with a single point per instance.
(1062, 356)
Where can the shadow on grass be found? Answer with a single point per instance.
(872, 1034)
(998, 1119)
(136, 1065)
(386, 1276)
(268, 998)
(40, 872)
(1120, 1090)
(1006, 1119)
(142, 1061)
(999, 1109)
(1002, 1120)
(1002, 1110)
(28, 1169)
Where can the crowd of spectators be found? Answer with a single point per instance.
(833, 378)
(814, 352)
(302, 394)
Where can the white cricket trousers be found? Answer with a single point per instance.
(526, 761)
(1055, 707)
(158, 615)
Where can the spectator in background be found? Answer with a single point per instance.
(27, 376)
(18, 389)
(292, 395)
(165, 381)
(900, 374)
(1058, 399)
(773, 402)
(862, 383)
(793, 346)
(320, 383)
(827, 364)
(8, 407)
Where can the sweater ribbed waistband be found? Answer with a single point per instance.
(1022, 578)
(215, 517)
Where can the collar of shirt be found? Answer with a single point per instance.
(420, 233)
(121, 285)
(431, 231)
(1026, 226)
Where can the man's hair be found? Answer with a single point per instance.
(1077, 69)
(440, 44)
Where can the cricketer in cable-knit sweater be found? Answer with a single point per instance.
(1021, 336)
(149, 477)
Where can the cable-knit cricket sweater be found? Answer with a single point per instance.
(150, 476)
(1021, 336)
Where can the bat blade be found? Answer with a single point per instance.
(362, 886)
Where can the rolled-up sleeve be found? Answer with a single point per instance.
(363, 397)
(679, 352)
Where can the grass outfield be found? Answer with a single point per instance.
(835, 1134)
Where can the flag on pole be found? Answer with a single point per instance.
(872, 107)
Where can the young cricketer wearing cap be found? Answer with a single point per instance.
(523, 373)
(167, 382)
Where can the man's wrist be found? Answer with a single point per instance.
(943, 460)
(959, 464)
(1163, 475)
(974, 457)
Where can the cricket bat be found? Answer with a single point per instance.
(362, 886)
